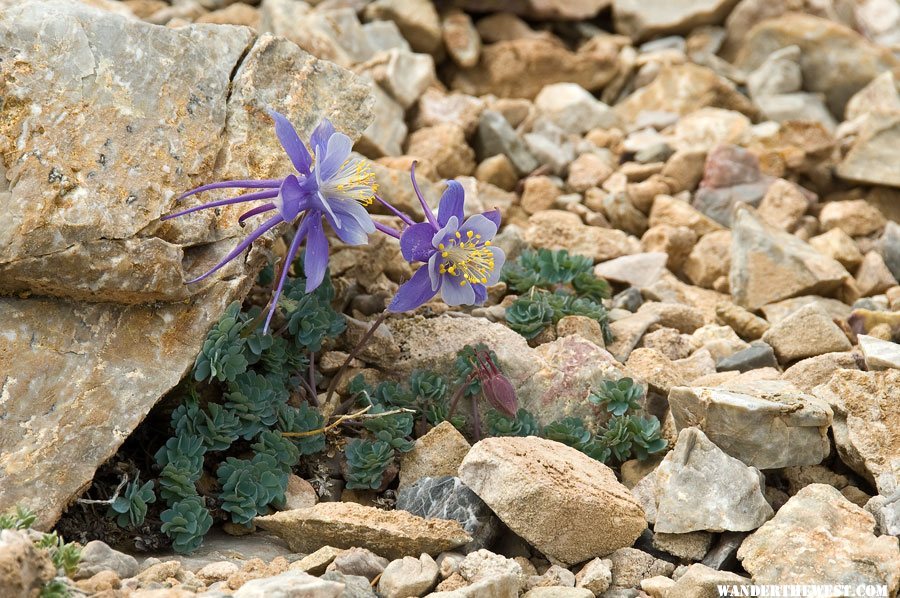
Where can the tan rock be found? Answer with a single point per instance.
(683, 89)
(627, 332)
(642, 194)
(438, 453)
(710, 259)
(768, 264)
(461, 39)
(234, 14)
(813, 371)
(513, 474)
(588, 170)
(587, 328)
(684, 170)
(299, 493)
(691, 546)
(806, 333)
(499, 171)
(746, 324)
(595, 576)
(847, 551)
(316, 562)
(675, 212)
(654, 368)
(539, 193)
(867, 423)
(776, 312)
(873, 276)
(417, 19)
(783, 205)
(445, 146)
(555, 229)
(865, 162)
(436, 107)
(856, 217)
(700, 581)
(630, 565)
(683, 318)
(520, 68)
(23, 568)
(344, 525)
(838, 245)
(639, 270)
(669, 342)
(674, 241)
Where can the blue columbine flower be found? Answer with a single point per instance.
(460, 260)
(329, 184)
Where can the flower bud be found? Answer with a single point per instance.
(501, 395)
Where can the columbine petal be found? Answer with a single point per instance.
(285, 267)
(291, 198)
(451, 203)
(350, 221)
(291, 143)
(271, 222)
(413, 293)
(415, 242)
(319, 138)
(454, 293)
(339, 147)
(499, 260)
(493, 216)
(434, 271)
(448, 230)
(480, 293)
(479, 225)
(316, 260)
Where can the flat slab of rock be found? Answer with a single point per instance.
(155, 111)
(807, 332)
(553, 496)
(642, 20)
(766, 424)
(639, 270)
(768, 264)
(867, 423)
(391, 534)
(819, 537)
(879, 354)
(701, 488)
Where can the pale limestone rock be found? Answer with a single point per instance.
(75, 248)
(709, 260)
(701, 488)
(838, 245)
(813, 371)
(846, 549)
(765, 424)
(879, 354)
(510, 474)
(643, 20)
(408, 576)
(555, 229)
(639, 270)
(393, 534)
(856, 217)
(873, 276)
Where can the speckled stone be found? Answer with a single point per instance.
(446, 497)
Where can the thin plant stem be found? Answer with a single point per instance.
(108, 501)
(361, 414)
(476, 420)
(313, 399)
(353, 353)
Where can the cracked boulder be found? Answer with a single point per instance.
(94, 150)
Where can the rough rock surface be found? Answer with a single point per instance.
(867, 423)
(765, 424)
(437, 453)
(701, 488)
(769, 265)
(549, 493)
(847, 551)
(392, 534)
(92, 202)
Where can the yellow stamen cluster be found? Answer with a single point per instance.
(355, 180)
(468, 257)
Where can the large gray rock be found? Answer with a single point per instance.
(765, 424)
(819, 537)
(867, 423)
(701, 488)
(769, 265)
(95, 149)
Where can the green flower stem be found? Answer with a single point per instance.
(353, 353)
(313, 398)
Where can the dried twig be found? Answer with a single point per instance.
(361, 414)
(109, 501)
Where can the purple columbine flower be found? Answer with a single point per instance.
(460, 260)
(329, 184)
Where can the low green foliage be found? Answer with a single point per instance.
(552, 285)
(618, 396)
(393, 429)
(130, 508)
(222, 356)
(524, 424)
(18, 518)
(64, 556)
(367, 461)
(186, 522)
(302, 419)
(250, 486)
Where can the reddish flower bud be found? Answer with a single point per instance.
(497, 388)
